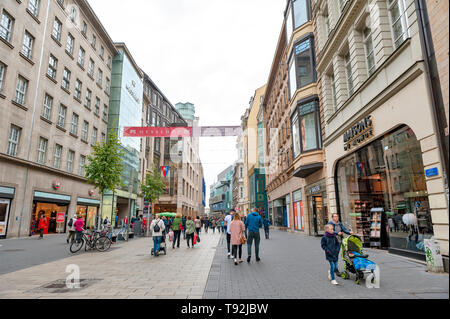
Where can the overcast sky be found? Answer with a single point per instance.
(213, 53)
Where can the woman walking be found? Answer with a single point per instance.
(157, 228)
(190, 231)
(237, 229)
(177, 225)
(213, 225)
(198, 226)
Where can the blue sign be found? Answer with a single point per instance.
(432, 172)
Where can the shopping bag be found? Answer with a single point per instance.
(171, 236)
(195, 239)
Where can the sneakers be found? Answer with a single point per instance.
(334, 282)
(329, 276)
(235, 261)
(258, 259)
(241, 261)
(248, 258)
(229, 255)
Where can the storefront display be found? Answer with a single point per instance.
(318, 208)
(298, 210)
(50, 211)
(4, 214)
(386, 175)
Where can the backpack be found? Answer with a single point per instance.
(156, 229)
(71, 222)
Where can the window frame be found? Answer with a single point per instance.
(70, 44)
(369, 39)
(349, 74)
(27, 48)
(42, 153)
(47, 109)
(13, 144)
(22, 91)
(34, 7)
(57, 156)
(61, 117)
(52, 68)
(3, 68)
(74, 124)
(57, 32)
(66, 79)
(6, 31)
(403, 21)
(70, 160)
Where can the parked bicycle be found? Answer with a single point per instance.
(91, 240)
(124, 233)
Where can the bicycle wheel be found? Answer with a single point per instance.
(76, 246)
(102, 244)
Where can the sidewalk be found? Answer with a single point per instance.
(293, 266)
(126, 271)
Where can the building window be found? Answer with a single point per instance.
(42, 150)
(6, 26)
(85, 131)
(94, 136)
(348, 71)
(13, 141)
(307, 132)
(78, 87)
(74, 128)
(94, 41)
(100, 77)
(84, 28)
(326, 18)
(108, 86)
(87, 102)
(97, 106)
(82, 163)
(342, 4)
(70, 157)
(302, 70)
(47, 111)
(333, 92)
(73, 14)
(33, 6)
(52, 67)
(61, 2)
(102, 51)
(27, 47)
(91, 68)
(81, 55)
(21, 91)
(57, 28)
(368, 46)
(62, 116)
(108, 63)
(70, 44)
(66, 79)
(57, 158)
(301, 12)
(399, 21)
(105, 112)
(2, 75)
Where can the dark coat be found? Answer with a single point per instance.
(331, 246)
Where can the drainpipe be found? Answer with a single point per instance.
(426, 42)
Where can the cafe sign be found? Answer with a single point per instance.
(358, 134)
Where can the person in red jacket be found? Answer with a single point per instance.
(43, 223)
(79, 227)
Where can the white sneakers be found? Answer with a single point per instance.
(329, 276)
(334, 282)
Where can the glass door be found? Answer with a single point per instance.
(318, 216)
(4, 213)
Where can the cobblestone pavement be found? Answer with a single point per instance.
(126, 271)
(294, 266)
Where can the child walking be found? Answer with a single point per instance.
(330, 244)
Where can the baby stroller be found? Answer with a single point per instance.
(354, 259)
(162, 246)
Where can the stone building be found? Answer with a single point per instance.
(55, 77)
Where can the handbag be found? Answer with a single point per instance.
(243, 240)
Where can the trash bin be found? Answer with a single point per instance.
(433, 255)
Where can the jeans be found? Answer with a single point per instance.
(156, 243)
(184, 232)
(190, 237)
(333, 269)
(71, 236)
(79, 236)
(228, 242)
(266, 231)
(257, 238)
(235, 249)
(176, 236)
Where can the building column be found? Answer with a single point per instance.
(340, 78)
(381, 30)
(357, 58)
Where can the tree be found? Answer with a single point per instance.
(104, 168)
(153, 186)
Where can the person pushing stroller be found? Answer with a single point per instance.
(330, 244)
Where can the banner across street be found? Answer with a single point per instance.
(202, 131)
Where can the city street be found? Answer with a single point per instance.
(292, 266)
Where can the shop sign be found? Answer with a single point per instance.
(432, 172)
(315, 190)
(359, 133)
(91, 192)
(60, 217)
(56, 184)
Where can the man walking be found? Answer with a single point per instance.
(266, 223)
(227, 222)
(253, 223)
(72, 232)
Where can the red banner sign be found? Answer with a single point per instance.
(60, 217)
(157, 132)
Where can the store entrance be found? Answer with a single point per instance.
(56, 215)
(319, 216)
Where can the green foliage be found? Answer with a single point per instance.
(104, 168)
(153, 186)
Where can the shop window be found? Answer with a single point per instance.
(399, 21)
(387, 175)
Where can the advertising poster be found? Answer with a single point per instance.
(295, 216)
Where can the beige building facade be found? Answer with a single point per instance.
(55, 72)
(384, 171)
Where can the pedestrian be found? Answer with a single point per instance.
(165, 225)
(157, 228)
(43, 224)
(339, 230)
(266, 223)
(253, 223)
(237, 229)
(227, 223)
(190, 231)
(198, 227)
(184, 227)
(330, 244)
(222, 225)
(79, 228)
(71, 226)
(117, 221)
(213, 226)
(206, 224)
(177, 226)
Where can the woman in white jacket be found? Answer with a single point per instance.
(157, 235)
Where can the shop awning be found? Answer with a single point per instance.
(306, 170)
(51, 198)
(88, 201)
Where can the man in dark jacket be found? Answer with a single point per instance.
(330, 244)
(253, 224)
(266, 223)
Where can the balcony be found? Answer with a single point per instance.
(308, 163)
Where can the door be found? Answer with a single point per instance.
(318, 216)
(4, 214)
